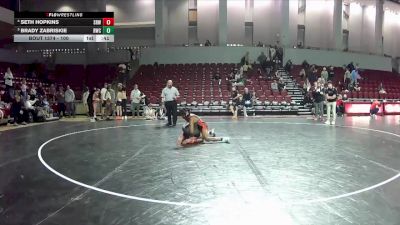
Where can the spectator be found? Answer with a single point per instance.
(324, 74)
(231, 75)
(274, 86)
(53, 92)
(112, 100)
(347, 78)
(321, 80)
(42, 109)
(235, 102)
(317, 94)
(302, 74)
(136, 98)
(354, 76)
(208, 43)
(3, 105)
(351, 66)
(331, 97)
(356, 87)
(260, 44)
(18, 111)
(33, 92)
(85, 97)
(262, 59)
(160, 112)
(90, 103)
(123, 102)
(340, 87)
(312, 75)
(60, 97)
(107, 107)
(289, 66)
(245, 60)
(331, 73)
(8, 81)
(103, 100)
(279, 55)
(281, 85)
(69, 96)
(217, 78)
(40, 90)
(374, 109)
(24, 90)
(247, 101)
(269, 67)
(272, 53)
(381, 89)
(307, 86)
(120, 96)
(344, 98)
(340, 106)
(169, 95)
(95, 101)
(305, 65)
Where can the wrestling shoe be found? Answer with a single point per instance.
(212, 133)
(327, 122)
(225, 139)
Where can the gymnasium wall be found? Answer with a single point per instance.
(338, 58)
(319, 24)
(362, 27)
(207, 20)
(391, 30)
(168, 55)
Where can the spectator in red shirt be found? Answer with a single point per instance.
(374, 109)
(340, 106)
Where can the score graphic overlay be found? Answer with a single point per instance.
(64, 27)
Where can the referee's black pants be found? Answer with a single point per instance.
(172, 113)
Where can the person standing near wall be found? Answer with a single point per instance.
(331, 97)
(60, 96)
(136, 97)
(90, 102)
(95, 102)
(8, 81)
(318, 97)
(69, 96)
(324, 74)
(103, 99)
(123, 102)
(170, 94)
(85, 97)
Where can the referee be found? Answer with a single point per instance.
(169, 95)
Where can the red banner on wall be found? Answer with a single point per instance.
(362, 108)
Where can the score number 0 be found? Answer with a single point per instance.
(108, 21)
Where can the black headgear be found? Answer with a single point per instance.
(185, 112)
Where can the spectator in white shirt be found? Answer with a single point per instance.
(136, 98)
(8, 81)
(69, 96)
(85, 97)
(274, 86)
(103, 100)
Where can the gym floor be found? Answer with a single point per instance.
(281, 171)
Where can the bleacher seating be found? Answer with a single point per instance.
(197, 85)
(369, 84)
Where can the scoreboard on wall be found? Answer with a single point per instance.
(64, 27)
